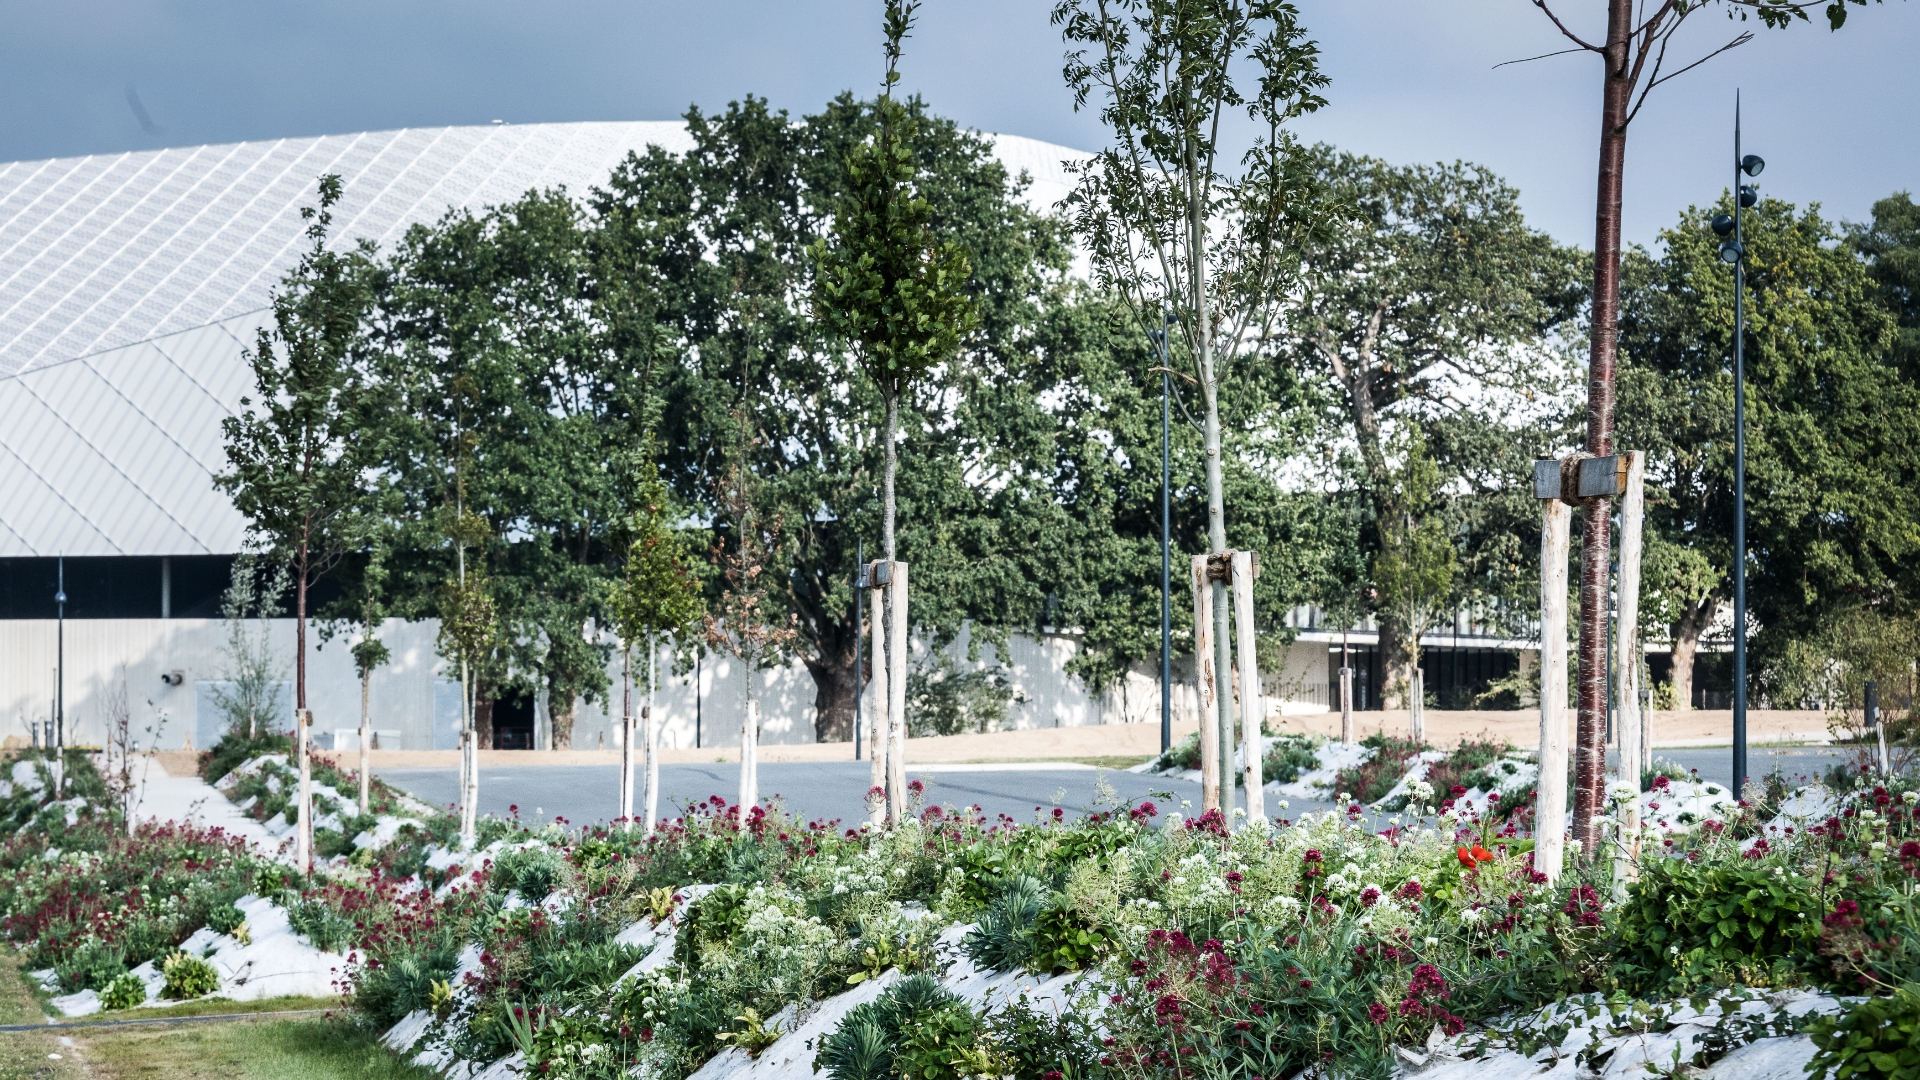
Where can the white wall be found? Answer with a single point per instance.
(416, 693)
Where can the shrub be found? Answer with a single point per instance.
(188, 977)
(1062, 940)
(1717, 923)
(92, 966)
(1029, 1042)
(916, 1029)
(1184, 754)
(533, 871)
(1003, 940)
(1661, 767)
(1879, 1038)
(1287, 758)
(1371, 780)
(126, 992)
(234, 748)
(225, 919)
(314, 919)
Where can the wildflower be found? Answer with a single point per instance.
(1377, 1013)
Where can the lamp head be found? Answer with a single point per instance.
(1723, 224)
(1752, 164)
(60, 597)
(1731, 251)
(1748, 196)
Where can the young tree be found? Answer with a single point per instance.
(298, 458)
(887, 284)
(1413, 570)
(1633, 54)
(747, 624)
(1171, 229)
(655, 595)
(369, 654)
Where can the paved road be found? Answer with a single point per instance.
(585, 794)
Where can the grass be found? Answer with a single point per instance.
(305, 1049)
(294, 1048)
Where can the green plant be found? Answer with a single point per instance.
(188, 977)
(1003, 940)
(125, 992)
(1184, 754)
(753, 1035)
(915, 1029)
(225, 919)
(1371, 780)
(533, 871)
(1062, 940)
(1285, 760)
(1030, 1042)
(1716, 923)
(315, 920)
(1879, 1038)
(92, 966)
(1661, 767)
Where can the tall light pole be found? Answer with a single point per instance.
(1159, 337)
(60, 685)
(1734, 251)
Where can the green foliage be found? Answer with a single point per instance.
(946, 699)
(1686, 925)
(1029, 1042)
(1004, 938)
(534, 871)
(125, 992)
(1184, 754)
(253, 703)
(1878, 1038)
(655, 593)
(225, 919)
(235, 747)
(1284, 761)
(314, 919)
(1063, 940)
(188, 977)
(93, 966)
(1371, 780)
(914, 1029)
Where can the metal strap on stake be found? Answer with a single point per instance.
(1203, 682)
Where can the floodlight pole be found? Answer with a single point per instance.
(60, 685)
(859, 658)
(1739, 477)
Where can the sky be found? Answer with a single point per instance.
(1836, 115)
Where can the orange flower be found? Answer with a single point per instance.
(1466, 858)
(1481, 854)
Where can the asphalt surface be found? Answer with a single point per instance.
(589, 794)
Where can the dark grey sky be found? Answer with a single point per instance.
(1836, 115)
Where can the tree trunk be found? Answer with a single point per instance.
(835, 689)
(483, 720)
(562, 705)
(1595, 540)
(1686, 644)
(1399, 656)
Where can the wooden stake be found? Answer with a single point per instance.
(303, 845)
(877, 693)
(897, 698)
(1550, 812)
(1252, 706)
(1203, 680)
(1626, 637)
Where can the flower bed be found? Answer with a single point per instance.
(1128, 943)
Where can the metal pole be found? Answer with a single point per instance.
(60, 687)
(698, 653)
(1614, 571)
(1739, 479)
(1166, 550)
(859, 658)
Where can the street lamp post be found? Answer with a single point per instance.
(60, 686)
(1733, 251)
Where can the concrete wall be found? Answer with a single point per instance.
(417, 694)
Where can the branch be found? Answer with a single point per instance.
(1570, 35)
(1530, 59)
(1744, 37)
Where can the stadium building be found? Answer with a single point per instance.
(131, 283)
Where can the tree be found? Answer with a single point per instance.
(655, 594)
(892, 288)
(298, 460)
(1633, 53)
(1891, 246)
(747, 624)
(1430, 303)
(1832, 427)
(1168, 72)
(369, 655)
(1414, 568)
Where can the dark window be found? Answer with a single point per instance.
(114, 586)
(513, 722)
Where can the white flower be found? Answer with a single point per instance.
(1282, 804)
(1911, 797)
(1573, 846)
(1470, 916)
(1431, 941)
